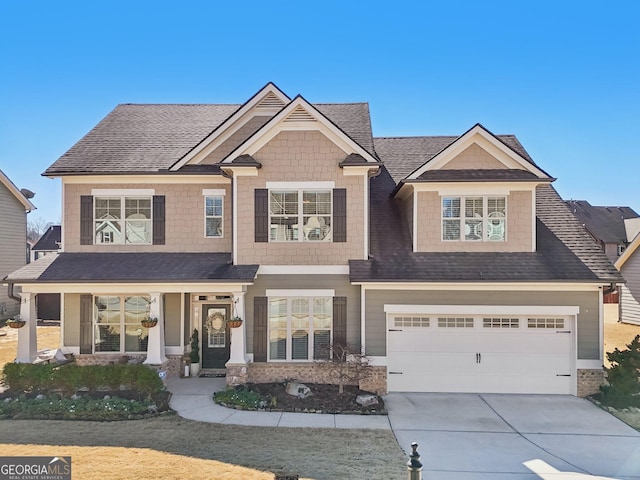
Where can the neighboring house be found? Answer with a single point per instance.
(48, 243)
(48, 304)
(607, 225)
(14, 206)
(450, 261)
(629, 266)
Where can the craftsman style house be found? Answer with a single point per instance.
(450, 261)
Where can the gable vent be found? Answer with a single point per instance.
(270, 101)
(299, 114)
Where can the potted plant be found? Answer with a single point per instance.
(149, 322)
(16, 322)
(235, 322)
(195, 353)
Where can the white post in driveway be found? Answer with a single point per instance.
(237, 364)
(27, 335)
(156, 344)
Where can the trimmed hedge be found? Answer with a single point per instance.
(68, 379)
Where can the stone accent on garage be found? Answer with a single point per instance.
(589, 381)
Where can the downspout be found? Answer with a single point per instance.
(10, 293)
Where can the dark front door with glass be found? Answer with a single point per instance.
(216, 339)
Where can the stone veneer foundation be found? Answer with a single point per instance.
(171, 366)
(589, 381)
(265, 372)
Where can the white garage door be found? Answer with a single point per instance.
(483, 354)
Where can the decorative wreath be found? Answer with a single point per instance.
(215, 321)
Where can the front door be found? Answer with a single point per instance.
(216, 340)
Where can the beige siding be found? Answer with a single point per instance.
(588, 318)
(172, 319)
(474, 157)
(339, 283)
(235, 140)
(71, 321)
(184, 205)
(300, 156)
(630, 293)
(519, 225)
(13, 245)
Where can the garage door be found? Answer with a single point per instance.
(484, 354)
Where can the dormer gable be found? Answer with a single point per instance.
(252, 115)
(300, 115)
(478, 149)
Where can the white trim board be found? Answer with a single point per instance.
(122, 192)
(483, 309)
(300, 292)
(303, 270)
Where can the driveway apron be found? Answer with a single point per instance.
(491, 436)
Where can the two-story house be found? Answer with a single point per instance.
(450, 261)
(14, 206)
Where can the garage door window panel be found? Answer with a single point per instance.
(455, 322)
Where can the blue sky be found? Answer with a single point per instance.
(563, 76)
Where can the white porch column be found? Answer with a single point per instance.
(239, 335)
(156, 345)
(27, 335)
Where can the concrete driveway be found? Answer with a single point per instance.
(508, 437)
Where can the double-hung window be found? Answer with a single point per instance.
(213, 215)
(474, 219)
(300, 215)
(122, 220)
(117, 323)
(299, 328)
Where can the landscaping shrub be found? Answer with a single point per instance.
(28, 378)
(82, 408)
(624, 385)
(239, 397)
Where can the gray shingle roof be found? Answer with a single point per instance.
(495, 175)
(50, 240)
(604, 223)
(135, 138)
(564, 250)
(135, 267)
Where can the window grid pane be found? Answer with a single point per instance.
(500, 323)
(545, 323)
(411, 322)
(455, 322)
(213, 216)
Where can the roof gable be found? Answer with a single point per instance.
(628, 253)
(265, 103)
(300, 115)
(9, 185)
(486, 141)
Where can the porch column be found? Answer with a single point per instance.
(238, 334)
(27, 335)
(156, 345)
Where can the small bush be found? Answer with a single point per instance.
(623, 377)
(28, 378)
(239, 397)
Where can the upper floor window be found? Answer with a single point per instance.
(300, 215)
(213, 206)
(474, 218)
(122, 220)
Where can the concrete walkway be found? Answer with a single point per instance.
(192, 398)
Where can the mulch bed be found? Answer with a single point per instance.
(324, 399)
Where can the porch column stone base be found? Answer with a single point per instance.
(237, 374)
(589, 381)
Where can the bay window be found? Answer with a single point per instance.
(474, 219)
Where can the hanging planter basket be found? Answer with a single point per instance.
(149, 322)
(16, 323)
(235, 322)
